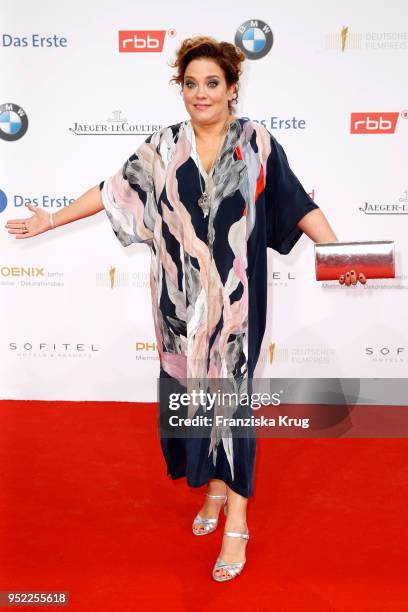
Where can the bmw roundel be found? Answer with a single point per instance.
(3, 201)
(13, 121)
(254, 38)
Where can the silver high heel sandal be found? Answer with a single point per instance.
(210, 524)
(234, 568)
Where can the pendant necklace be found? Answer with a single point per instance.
(204, 200)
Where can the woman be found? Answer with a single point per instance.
(208, 196)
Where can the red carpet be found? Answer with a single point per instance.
(86, 507)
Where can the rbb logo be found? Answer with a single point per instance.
(373, 123)
(141, 41)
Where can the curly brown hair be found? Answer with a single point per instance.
(225, 54)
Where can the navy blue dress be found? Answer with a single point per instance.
(208, 274)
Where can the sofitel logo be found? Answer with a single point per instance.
(116, 125)
(277, 278)
(53, 349)
(143, 41)
(395, 354)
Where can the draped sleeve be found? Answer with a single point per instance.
(129, 199)
(286, 201)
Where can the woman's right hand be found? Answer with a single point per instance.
(38, 223)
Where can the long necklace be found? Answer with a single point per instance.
(204, 200)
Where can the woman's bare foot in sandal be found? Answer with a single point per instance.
(233, 547)
(206, 520)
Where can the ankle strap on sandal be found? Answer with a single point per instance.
(235, 534)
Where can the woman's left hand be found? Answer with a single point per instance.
(350, 278)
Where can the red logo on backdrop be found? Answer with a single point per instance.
(373, 123)
(141, 41)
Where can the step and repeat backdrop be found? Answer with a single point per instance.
(84, 84)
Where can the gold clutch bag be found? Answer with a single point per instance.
(375, 259)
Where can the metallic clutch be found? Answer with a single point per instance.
(375, 259)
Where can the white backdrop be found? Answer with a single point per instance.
(67, 332)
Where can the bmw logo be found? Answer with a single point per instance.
(254, 38)
(3, 201)
(13, 121)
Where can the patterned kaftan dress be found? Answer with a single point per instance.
(208, 273)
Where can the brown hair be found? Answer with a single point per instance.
(225, 54)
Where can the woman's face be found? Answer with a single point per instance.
(205, 91)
